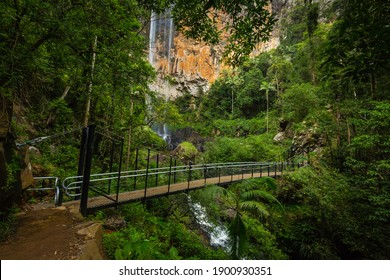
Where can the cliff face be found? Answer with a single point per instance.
(184, 65)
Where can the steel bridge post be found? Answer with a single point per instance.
(111, 162)
(170, 173)
(83, 148)
(276, 167)
(119, 171)
(147, 173)
(157, 162)
(205, 173)
(135, 168)
(87, 169)
(174, 174)
(189, 176)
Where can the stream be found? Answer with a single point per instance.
(217, 234)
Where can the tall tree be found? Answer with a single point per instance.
(267, 87)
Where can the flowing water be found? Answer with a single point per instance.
(218, 234)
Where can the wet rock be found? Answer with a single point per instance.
(114, 223)
(280, 136)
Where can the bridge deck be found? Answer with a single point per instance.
(101, 202)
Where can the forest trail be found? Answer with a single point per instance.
(45, 232)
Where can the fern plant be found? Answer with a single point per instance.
(250, 195)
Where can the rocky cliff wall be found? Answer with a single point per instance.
(185, 65)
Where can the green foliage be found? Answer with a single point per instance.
(187, 150)
(253, 148)
(7, 223)
(299, 101)
(357, 47)
(249, 198)
(238, 127)
(316, 207)
(148, 138)
(150, 236)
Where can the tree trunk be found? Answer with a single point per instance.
(9, 179)
(89, 93)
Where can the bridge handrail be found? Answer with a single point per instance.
(98, 177)
(55, 187)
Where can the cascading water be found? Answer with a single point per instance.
(170, 40)
(152, 38)
(218, 234)
(160, 43)
(162, 131)
(161, 37)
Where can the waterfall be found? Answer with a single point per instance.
(162, 131)
(161, 35)
(152, 38)
(170, 41)
(218, 234)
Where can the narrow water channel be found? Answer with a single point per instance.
(217, 233)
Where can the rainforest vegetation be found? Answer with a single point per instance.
(324, 92)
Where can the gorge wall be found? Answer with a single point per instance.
(185, 65)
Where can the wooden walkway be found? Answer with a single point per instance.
(101, 202)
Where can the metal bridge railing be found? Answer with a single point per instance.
(108, 184)
(48, 183)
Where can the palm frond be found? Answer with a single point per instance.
(217, 191)
(239, 241)
(255, 206)
(256, 183)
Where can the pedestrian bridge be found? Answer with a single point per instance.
(112, 189)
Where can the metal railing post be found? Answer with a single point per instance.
(136, 168)
(204, 173)
(189, 175)
(87, 170)
(147, 174)
(174, 173)
(119, 171)
(157, 162)
(83, 149)
(111, 162)
(170, 173)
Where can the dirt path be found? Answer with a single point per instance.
(47, 233)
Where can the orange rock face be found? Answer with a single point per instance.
(192, 64)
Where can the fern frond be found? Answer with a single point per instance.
(255, 206)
